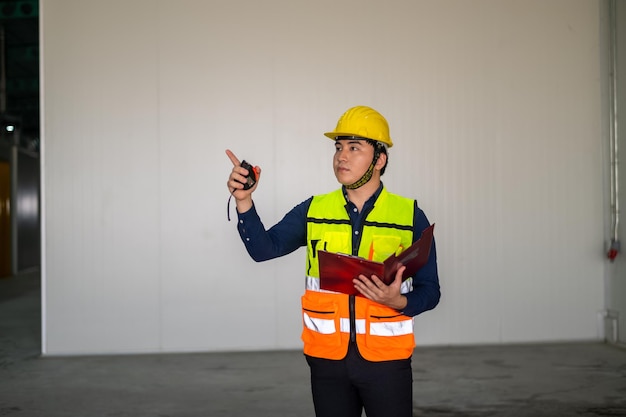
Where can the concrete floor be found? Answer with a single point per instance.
(552, 380)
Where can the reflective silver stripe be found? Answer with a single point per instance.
(395, 328)
(345, 325)
(312, 283)
(322, 326)
(360, 326)
(407, 286)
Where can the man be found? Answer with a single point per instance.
(358, 347)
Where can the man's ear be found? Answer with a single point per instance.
(381, 161)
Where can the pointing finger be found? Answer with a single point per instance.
(232, 158)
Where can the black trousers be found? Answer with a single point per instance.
(346, 387)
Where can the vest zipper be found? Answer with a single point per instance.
(352, 318)
(356, 242)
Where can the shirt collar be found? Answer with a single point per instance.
(370, 201)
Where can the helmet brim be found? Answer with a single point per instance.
(335, 135)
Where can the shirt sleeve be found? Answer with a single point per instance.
(281, 239)
(426, 292)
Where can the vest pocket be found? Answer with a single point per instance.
(388, 329)
(383, 247)
(320, 322)
(336, 242)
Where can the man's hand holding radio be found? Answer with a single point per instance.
(242, 182)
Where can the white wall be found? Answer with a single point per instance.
(495, 109)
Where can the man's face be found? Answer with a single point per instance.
(352, 158)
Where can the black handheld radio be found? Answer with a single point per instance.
(250, 181)
(251, 178)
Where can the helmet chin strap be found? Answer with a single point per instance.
(367, 176)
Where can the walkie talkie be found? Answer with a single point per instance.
(251, 178)
(250, 181)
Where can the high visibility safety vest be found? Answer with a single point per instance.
(332, 320)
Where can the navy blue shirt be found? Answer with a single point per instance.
(289, 234)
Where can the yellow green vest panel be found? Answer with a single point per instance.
(388, 228)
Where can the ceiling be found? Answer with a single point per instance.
(19, 20)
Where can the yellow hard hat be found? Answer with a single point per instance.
(364, 122)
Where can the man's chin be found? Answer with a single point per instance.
(342, 180)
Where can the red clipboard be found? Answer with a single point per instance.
(337, 270)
